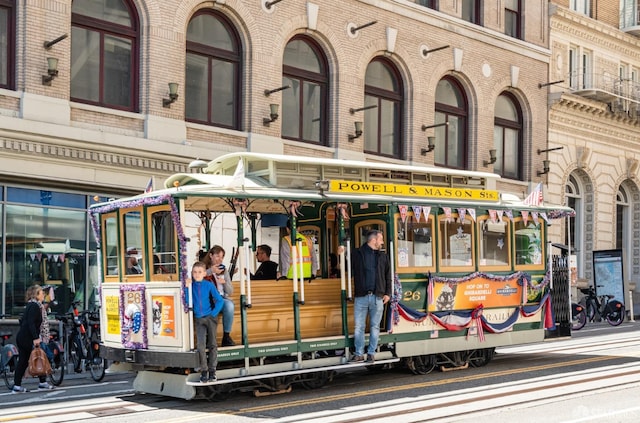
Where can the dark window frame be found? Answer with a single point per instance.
(431, 4)
(463, 116)
(517, 14)
(214, 53)
(10, 60)
(395, 97)
(518, 126)
(322, 79)
(131, 33)
(477, 19)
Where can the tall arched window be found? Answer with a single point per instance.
(212, 88)
(574, 227)
(7, 41)
(507, 137)
(383, 92)
(104, 53)
(304, 105)
(451, 140)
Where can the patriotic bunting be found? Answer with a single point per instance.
(403, 211)
(447, 213)
(472, 214)
(426, 210)
(462, 213)
(417, 211)
(525, 217)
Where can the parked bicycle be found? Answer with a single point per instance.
(595, 308)
(82, 341)
(8, 357)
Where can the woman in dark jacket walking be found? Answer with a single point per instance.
(29, 335)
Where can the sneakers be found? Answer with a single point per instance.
(204, 378)
(370, 358)
(212, 377)
(19, 390)
(357, 359)
(45, 386)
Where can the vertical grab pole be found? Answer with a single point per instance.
(190, 302)
(349, 296)
(392, 260)
(245, 275)
(300, 265)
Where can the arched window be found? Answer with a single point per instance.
(7, 41)
(304, 105)
(507, 137)
(212, 86)
(451, 140)
(383, 92)
(574, 228)
(104, 53)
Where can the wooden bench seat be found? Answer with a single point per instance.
(271, 318)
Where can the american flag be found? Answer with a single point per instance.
(149, 186)
(535, 198)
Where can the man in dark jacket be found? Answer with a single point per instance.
(373, 287)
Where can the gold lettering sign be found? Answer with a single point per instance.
(449, 193)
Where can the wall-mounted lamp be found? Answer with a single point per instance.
(267, 93)
(198, 164)
(431, 145)
(49, 44)
(545, 167)
(433, 50)
(425, 127)
(358, 134)
(492, 157)
(52, 71)
(173, 95)
(353, 111)
(546, 84)
(268, 4)
(355, 29)
(273, 114)
(549, 149)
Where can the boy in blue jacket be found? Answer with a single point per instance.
(204, 294)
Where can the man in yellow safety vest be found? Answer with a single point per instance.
(309, 258)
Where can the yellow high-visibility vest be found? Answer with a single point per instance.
(306, 257)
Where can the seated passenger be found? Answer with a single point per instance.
(133, 267)
(268, 269)
(219, 275)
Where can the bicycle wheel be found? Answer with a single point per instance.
(57, 371)
(7, 371)
(615, 313)
(76, 354)
(97, 364)
(578, 317)
(591, 311)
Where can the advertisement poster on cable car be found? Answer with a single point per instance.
(465, 294)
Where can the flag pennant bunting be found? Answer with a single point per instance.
(493, 215)
(472, 214)
(447, 213)
(500, 214)
(417, 211)
(525, 217)
(426, 211)
(462, 213)
(403, 211)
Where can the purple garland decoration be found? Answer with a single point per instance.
(143, 312)
(395, 300)
(175, 217)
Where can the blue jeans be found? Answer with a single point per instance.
(227, 315)
(372, 305)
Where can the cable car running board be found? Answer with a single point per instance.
(194, 378)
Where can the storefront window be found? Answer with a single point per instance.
(44, 246)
